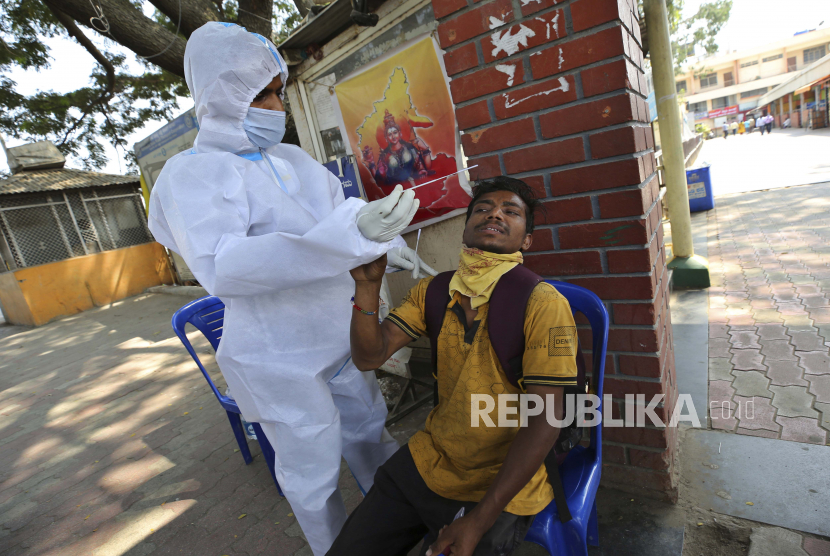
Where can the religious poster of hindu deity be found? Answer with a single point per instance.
(400, 123)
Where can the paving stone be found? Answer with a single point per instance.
(775, 541)
(793, 401)
(816, 547)
(814, 362)
(824, 409)
(742, 318)
(748, 327)
(765, 302)
(719, 331)
(820, 316)
(778, 350)
(751, 383)
(820, 387)
(720, 368)
(755, 413)
(785, 373)
(784, 295)
(718, 316)
(808, 290)
(721, 406)
(744, 339)
(807, 341)
(802, 429)
(719, 347)
(764, 316)
(797, 322)
(772, 331)
(747, 360)
(793, 309)
(815, 301)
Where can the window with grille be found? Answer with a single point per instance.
(697, 107)
(792, 63)
(681, 86)
(747, 64)
(41, 228)
(708, 80)
(721, 102)
(813, 54)
(728, 80)
(773, 58)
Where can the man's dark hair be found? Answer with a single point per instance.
(503, 183)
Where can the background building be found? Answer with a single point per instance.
(70, 240)
(725, 87)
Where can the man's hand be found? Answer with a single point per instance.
(461, 537)
(406, 259)
(370, 272)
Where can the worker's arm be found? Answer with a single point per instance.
(372, 343)
(526, 454)
(201, 210)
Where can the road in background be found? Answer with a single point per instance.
(754, 162)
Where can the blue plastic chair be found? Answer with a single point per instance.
(582, 467)
(207, 314)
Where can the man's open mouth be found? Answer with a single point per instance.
(492, 229)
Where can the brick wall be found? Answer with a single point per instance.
(553, 92)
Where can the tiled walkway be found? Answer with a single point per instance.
(769, 313)
(112, 444)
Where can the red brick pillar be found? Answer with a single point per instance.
(554, 93)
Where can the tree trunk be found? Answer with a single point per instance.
(255, 16)
(194, 13)
(130, 28)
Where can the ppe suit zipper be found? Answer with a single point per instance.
(274, 173)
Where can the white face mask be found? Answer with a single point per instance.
(265, 128)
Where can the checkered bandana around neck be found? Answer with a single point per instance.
(479, 271)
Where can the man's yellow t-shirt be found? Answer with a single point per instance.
(456, 460)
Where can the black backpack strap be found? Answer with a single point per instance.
(506, 319)
(435, 307)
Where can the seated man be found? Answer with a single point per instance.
(496, 474)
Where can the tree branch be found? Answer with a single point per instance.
(130, 28)
(194, 13)
(301, 7)
(90, 47)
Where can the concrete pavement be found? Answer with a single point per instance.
(111, 443)
(784, 158)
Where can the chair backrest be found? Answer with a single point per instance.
(586, 302)
(207, 314)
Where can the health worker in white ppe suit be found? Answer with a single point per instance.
(267, 229)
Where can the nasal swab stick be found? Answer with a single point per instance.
(443, 178)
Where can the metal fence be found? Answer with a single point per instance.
(41, 228)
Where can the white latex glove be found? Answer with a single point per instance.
(406, 259)
(385, 218)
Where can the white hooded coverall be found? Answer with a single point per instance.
(279, 260)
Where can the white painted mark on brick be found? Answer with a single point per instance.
(505, 41)
(561, 59)
(564, 86)
(552, 23)
(526, 2)
(509, 70)
(495, 22)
